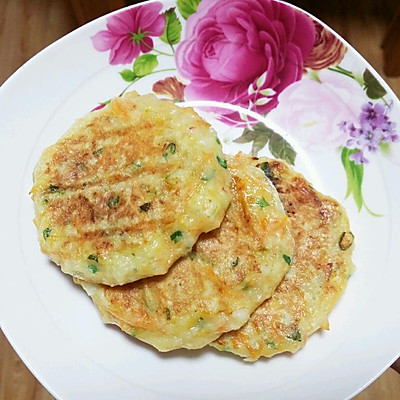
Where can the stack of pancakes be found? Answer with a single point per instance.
(182, 246)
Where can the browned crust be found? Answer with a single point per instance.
(317, 224)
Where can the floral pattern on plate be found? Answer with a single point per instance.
(267, 58)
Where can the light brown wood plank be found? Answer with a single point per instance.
(386, 387)
(364, 25)
(16, 381)
(27, 26)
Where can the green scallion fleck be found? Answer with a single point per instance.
(262, 202)
(93, 258)
(287, 259)
(92, 268)
(295, 336)
(98, 152)
(168, 313)
(217, 140)
(176, 236)
(113, 203)
(53, 188)
(235, 262)
(346, 240)
(46, 233)
(206, 176)
(170, 149)
(266, 169)
(145, 207)
(271, 345)
(222, 162)
(200, 323)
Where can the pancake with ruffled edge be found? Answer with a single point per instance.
(129, 189)
(215, 288)
(317, 277)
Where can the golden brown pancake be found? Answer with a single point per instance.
(214, 289)
(317, 277)
(129, 189)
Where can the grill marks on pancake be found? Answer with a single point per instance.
(116, 203)
(82, 163)
(97, 181)
(214, 288)
(128, 177)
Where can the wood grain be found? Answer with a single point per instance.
(391, 46)
(27, 26)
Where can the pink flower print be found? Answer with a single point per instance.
(130, 32)
(317, 114)
(243, 52)
(98, 107)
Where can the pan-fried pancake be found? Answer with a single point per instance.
(214, 289)
(317, 277)
(129, 189)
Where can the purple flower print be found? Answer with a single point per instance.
(243, 52)
(358, 158)
(374, 127)
(374, 114)
(130, 32)
(366, 138)
(389, 133)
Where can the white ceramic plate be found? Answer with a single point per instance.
(324, 103)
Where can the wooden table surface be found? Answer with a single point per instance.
(27, 26)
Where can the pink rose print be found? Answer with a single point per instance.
(312, 112)
(129, 32)
(243, 52)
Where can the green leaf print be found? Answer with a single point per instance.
(261, 135)
(355, 176)
(187, 7)
(373, 88)
(145, 65)
(173, 28)
(127, 75)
